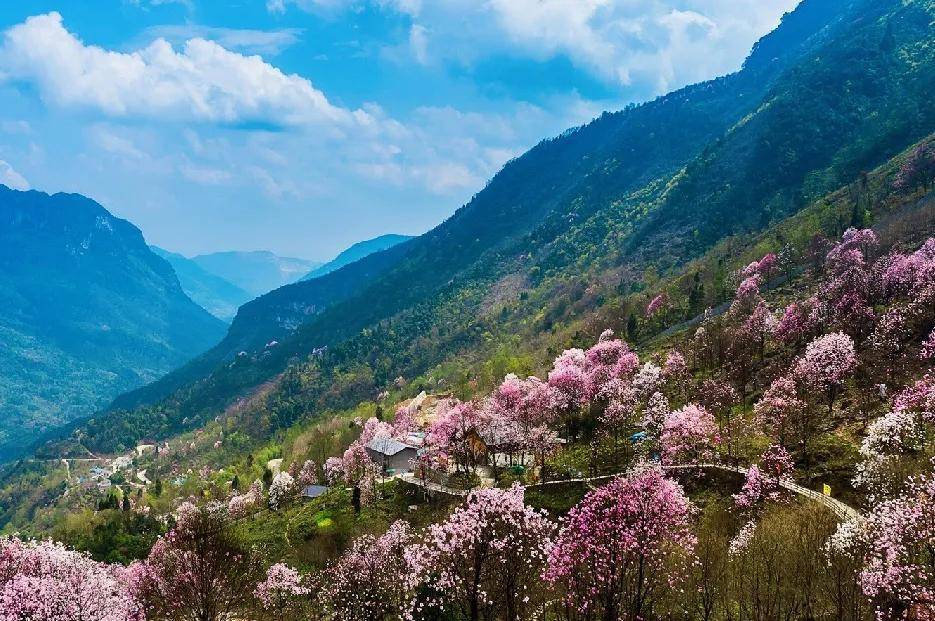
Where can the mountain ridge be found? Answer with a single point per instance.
(218, 296)
(88, 311)
(357, 251)
(255, 271)
(632, 190)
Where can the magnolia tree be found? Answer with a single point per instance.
(44, 581)
(905, 430)
(280, 490)
(828, 361)
(571, 386)
(368, 582)
(689, 435)
(282, 594)
(450, 435)
(240, 505)
(198, 570)
(355, 469)
(780, 407)
(485, 560)
(899, 561)
(622, 547)
(763, 481)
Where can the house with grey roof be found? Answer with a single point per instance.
(391, 454)
(313, 491)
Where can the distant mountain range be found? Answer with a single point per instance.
(87, 311)
(223, 281)
(356, 252)
(217, 295)
(256, 272)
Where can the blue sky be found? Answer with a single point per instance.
(301, 126)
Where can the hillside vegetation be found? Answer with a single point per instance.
(673, 364)
(582, 220)
(87, 311)
(817, 370)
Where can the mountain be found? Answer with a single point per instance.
(578, 222)
(256, 272)
(216, 295)
(357, 252)
(86, 311)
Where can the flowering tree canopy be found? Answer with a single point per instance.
(44, 581)
(621, 545)
(778, 405)
(827, 362)
(487, 556)
(899, 567)
(282, 591)
(688, 435)
(369, 580)
(198, 570)
(282, 487)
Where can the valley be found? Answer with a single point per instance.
(675, 363)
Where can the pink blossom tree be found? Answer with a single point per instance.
(486, 559)
(657, 304)
(369, 581)
(689, 435)
(899, 565)
(571, 386)
(281, 490)
(451, 434)
(794, 325)
(762, 483)
(359, 472)
(779, 407)
(827, 363)
(906, 429)
(308, 475)
(918, 170)
(283, 592)
(44, 581)
(198, 570)
(622, 546)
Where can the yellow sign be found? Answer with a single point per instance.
(825, 489)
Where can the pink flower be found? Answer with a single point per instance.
(282, 587)
(656, 304)
(688, 435)
(622, 545)
(827, 361)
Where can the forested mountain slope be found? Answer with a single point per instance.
(356, 252)
(86, 311)
(838, 88)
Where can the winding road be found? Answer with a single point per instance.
(842, 511)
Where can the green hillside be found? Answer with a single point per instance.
(580, 219)
(87, 311)
(356, 252)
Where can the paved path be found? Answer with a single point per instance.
(841, 510)
(431, 485)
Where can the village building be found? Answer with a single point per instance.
(313, 491)
(392, 455)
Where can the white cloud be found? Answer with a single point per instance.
(10, 178)
(248, 41)
(204, 175)
(117, 145)
(202, 82)
(418, 43)
(651, 45)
